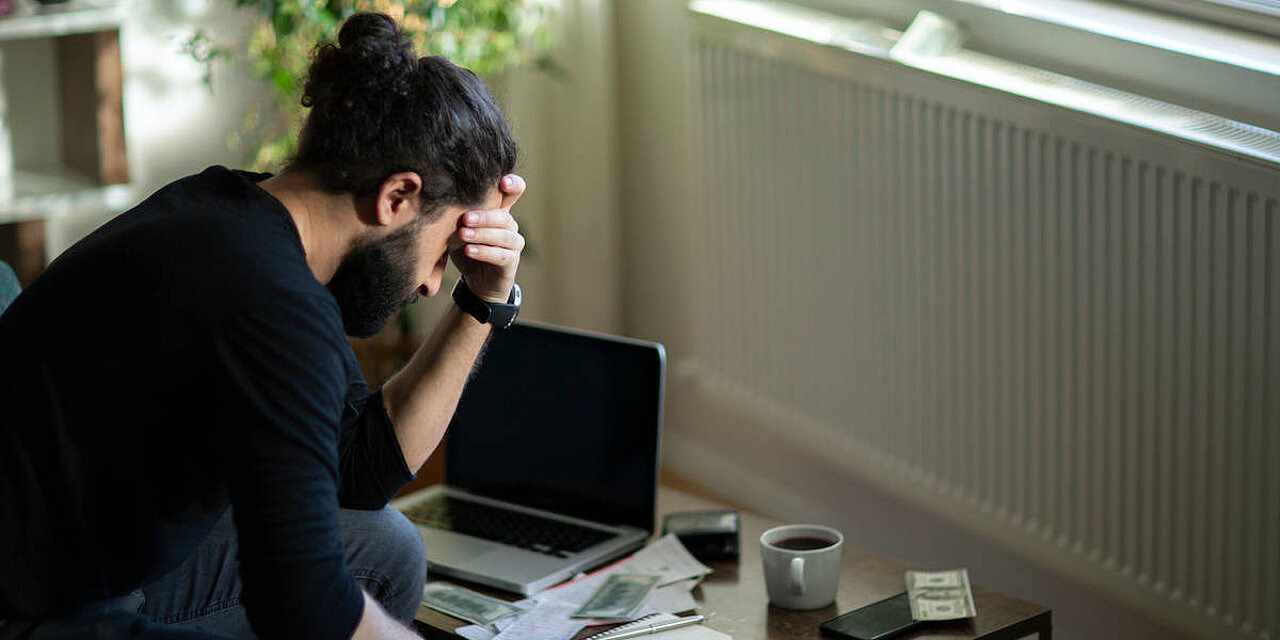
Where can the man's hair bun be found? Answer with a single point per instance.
(376, 110)
(372, 61)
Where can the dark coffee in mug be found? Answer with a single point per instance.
(803, 543)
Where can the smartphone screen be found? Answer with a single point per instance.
(877, 621)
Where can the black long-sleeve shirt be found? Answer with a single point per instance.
(180, 359)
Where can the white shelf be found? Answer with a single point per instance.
(53, 194)
(33, 20)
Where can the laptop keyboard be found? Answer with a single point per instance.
(534, 533)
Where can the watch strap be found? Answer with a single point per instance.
(499, 314)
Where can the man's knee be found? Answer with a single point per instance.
(402, 540)
(385, 553)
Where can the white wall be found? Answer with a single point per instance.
(175, 124)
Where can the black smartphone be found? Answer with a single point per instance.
(876, 621)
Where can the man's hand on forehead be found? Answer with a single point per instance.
(486, 247)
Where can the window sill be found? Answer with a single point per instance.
(1167, 32)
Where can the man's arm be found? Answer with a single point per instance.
(421, 398)
(277, 372)
(376, 624)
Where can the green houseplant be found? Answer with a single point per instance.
(486, 36)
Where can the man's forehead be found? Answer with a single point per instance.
(454, 212)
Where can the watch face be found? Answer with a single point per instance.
(503, 315)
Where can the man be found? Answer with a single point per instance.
(186, 444)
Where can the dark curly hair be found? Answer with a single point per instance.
(377, 109)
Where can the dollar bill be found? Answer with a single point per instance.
(466, 604)
(619, 596)
(940, 595)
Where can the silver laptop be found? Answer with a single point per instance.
(551, 461)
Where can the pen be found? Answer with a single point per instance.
(656, 628)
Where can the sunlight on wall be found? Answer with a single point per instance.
(176, 124)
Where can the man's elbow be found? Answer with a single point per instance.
(324, 611)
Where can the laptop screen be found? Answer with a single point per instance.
(563, 421)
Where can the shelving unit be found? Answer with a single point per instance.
(55, 192)
(62, 108)
(31, 20)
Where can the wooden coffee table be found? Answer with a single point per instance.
(733, 597)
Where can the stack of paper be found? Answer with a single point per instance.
(550, 613)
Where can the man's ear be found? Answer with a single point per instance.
(398, 198)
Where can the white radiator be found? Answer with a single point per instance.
(1067, 324)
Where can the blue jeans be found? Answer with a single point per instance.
(201, 598)
(384, 555)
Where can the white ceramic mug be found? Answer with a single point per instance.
(798, 575)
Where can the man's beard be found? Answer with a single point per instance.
(374, 280)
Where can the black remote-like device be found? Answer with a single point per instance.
(877, 621)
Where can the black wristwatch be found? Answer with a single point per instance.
(496, 313)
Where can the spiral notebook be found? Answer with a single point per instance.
(691, 632)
